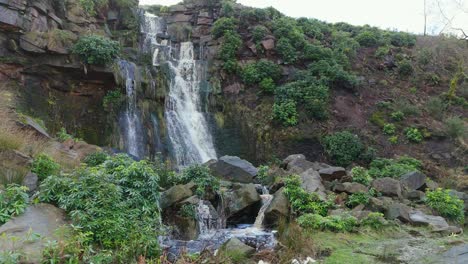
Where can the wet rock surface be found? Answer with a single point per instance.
(233, 169)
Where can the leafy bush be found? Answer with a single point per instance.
(413, 135)
(202, 177)
(229, 47)
(337, 223)
(368, 38)
(62, 135)
(258, 33)
(13, 201)
(227, 8)
(188, 210)
(393, 168)
(389, 129)
(405, 68)
(286, 50)
(357, 199)
(446, 204)
(303, 202)
(94, 49)
(381, 52)
(397, 116)
(455, 127)
(342, 42)
(361, 175)
(254, 73)
(262, 174)
(44, 166)
(285, 112)
(116, 201)
(333, 74)
(112, 99)
(436, 107)
(288, 28)
(401, 39)
(343, 147)
(267, 85)
(95, 159)
(374, 220)
(223, 25)
(393, 139)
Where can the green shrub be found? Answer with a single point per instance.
(227, 8)
(286, 51)
(62, 135)
(393, 139)
(285, 113)
(336, 223)
(455, 127)
(389, 129)
(436, 107)
(95, 159)
(358, 198)
(254, 73)
(316, 52)
(361, 175)
(393, 168)
(446, 204)
(94, 49)
(288, 28)
(406, 107)
(374, 220)
(333, 74)
(223, 25)
(401, 39)
(343, 147)
(112, 99)
(381, 52)
(377, 118)
(202, 177)
(413, 134)
(44, 166)
(116, 201)
(228, 52)
(342, 42)
(368, 38)
(188, 210)
(13, 201)
(267, 85)
(405, 68)
(303, 202)
(397, 116)
(259, 32)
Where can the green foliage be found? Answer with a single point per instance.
(413, 134)
(397, 116)
(357, 199)
(336, 223)
(188, 210)
(286, 50)
(13, 201)
(393, 168)
(44, 166)
(94, 49)
(368, 38)
(229, 47)
(313, 28)
(455, 127)
(405, 68)
(227, 8)
(378, 119)
(112, 98)
(446, 204)
(262, 174)
(361, 175)
(389, 129)
(285, 113)
(333, 74)
(259, 32)
(401, 39)
(267, 85)
(95, 159)
(303, 202)
(288, 28)
(393, 139)
(406, 107)
(436, 107)
(224, 25)
(202, 177)
(374, 220)
(381, 52)
(342, 42)
(117, 202)
(254, 73)
(62, 135)
(343, 147)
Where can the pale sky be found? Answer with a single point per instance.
(404, 15)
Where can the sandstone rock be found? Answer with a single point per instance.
(235, 245)
(398, 211)
(204, 21)
(31, 181)
(297, 163)
(176, 194)
(43, 219)
(31, 123)
(10, 19)
(278, 208)
(177, 8)
(243, 198)
(312, 182)
(437, 223)
(268, 44)
(35, 42)
(387, 186)
(332, 173)
(413, 180)
(179, 18)
(233, 169)
(234, 88)
(350, 187)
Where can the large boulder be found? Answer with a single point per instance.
(350, 187)
(278, 208)
(332, 173)
(176, 194)
(235, 245)
(241, 201)
(437, 223)
(387, 186)
(297, 163)
(233, 169)
(398, 211)
(413, 180)
(42, 219)
(312, 182)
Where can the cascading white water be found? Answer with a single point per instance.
(266, 201)
(187, 127)
(130, 119)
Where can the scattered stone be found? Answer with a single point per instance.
(437, 223)
(176, 194)
(332, 173)
(235, 245)
(350, 187)
(398, 211)
(311, 182)
(233, 169)
(387, 186)
(413, 180)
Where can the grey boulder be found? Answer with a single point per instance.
(233, 168)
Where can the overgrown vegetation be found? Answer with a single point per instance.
(202, 177)
(96, 50)
(303, 202)
(13, 201)
(393, 168)
(446, 204)
(44, 166)
(343, 147)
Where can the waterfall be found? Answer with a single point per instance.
(187, 127)
(130, 120)
(266, 200)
